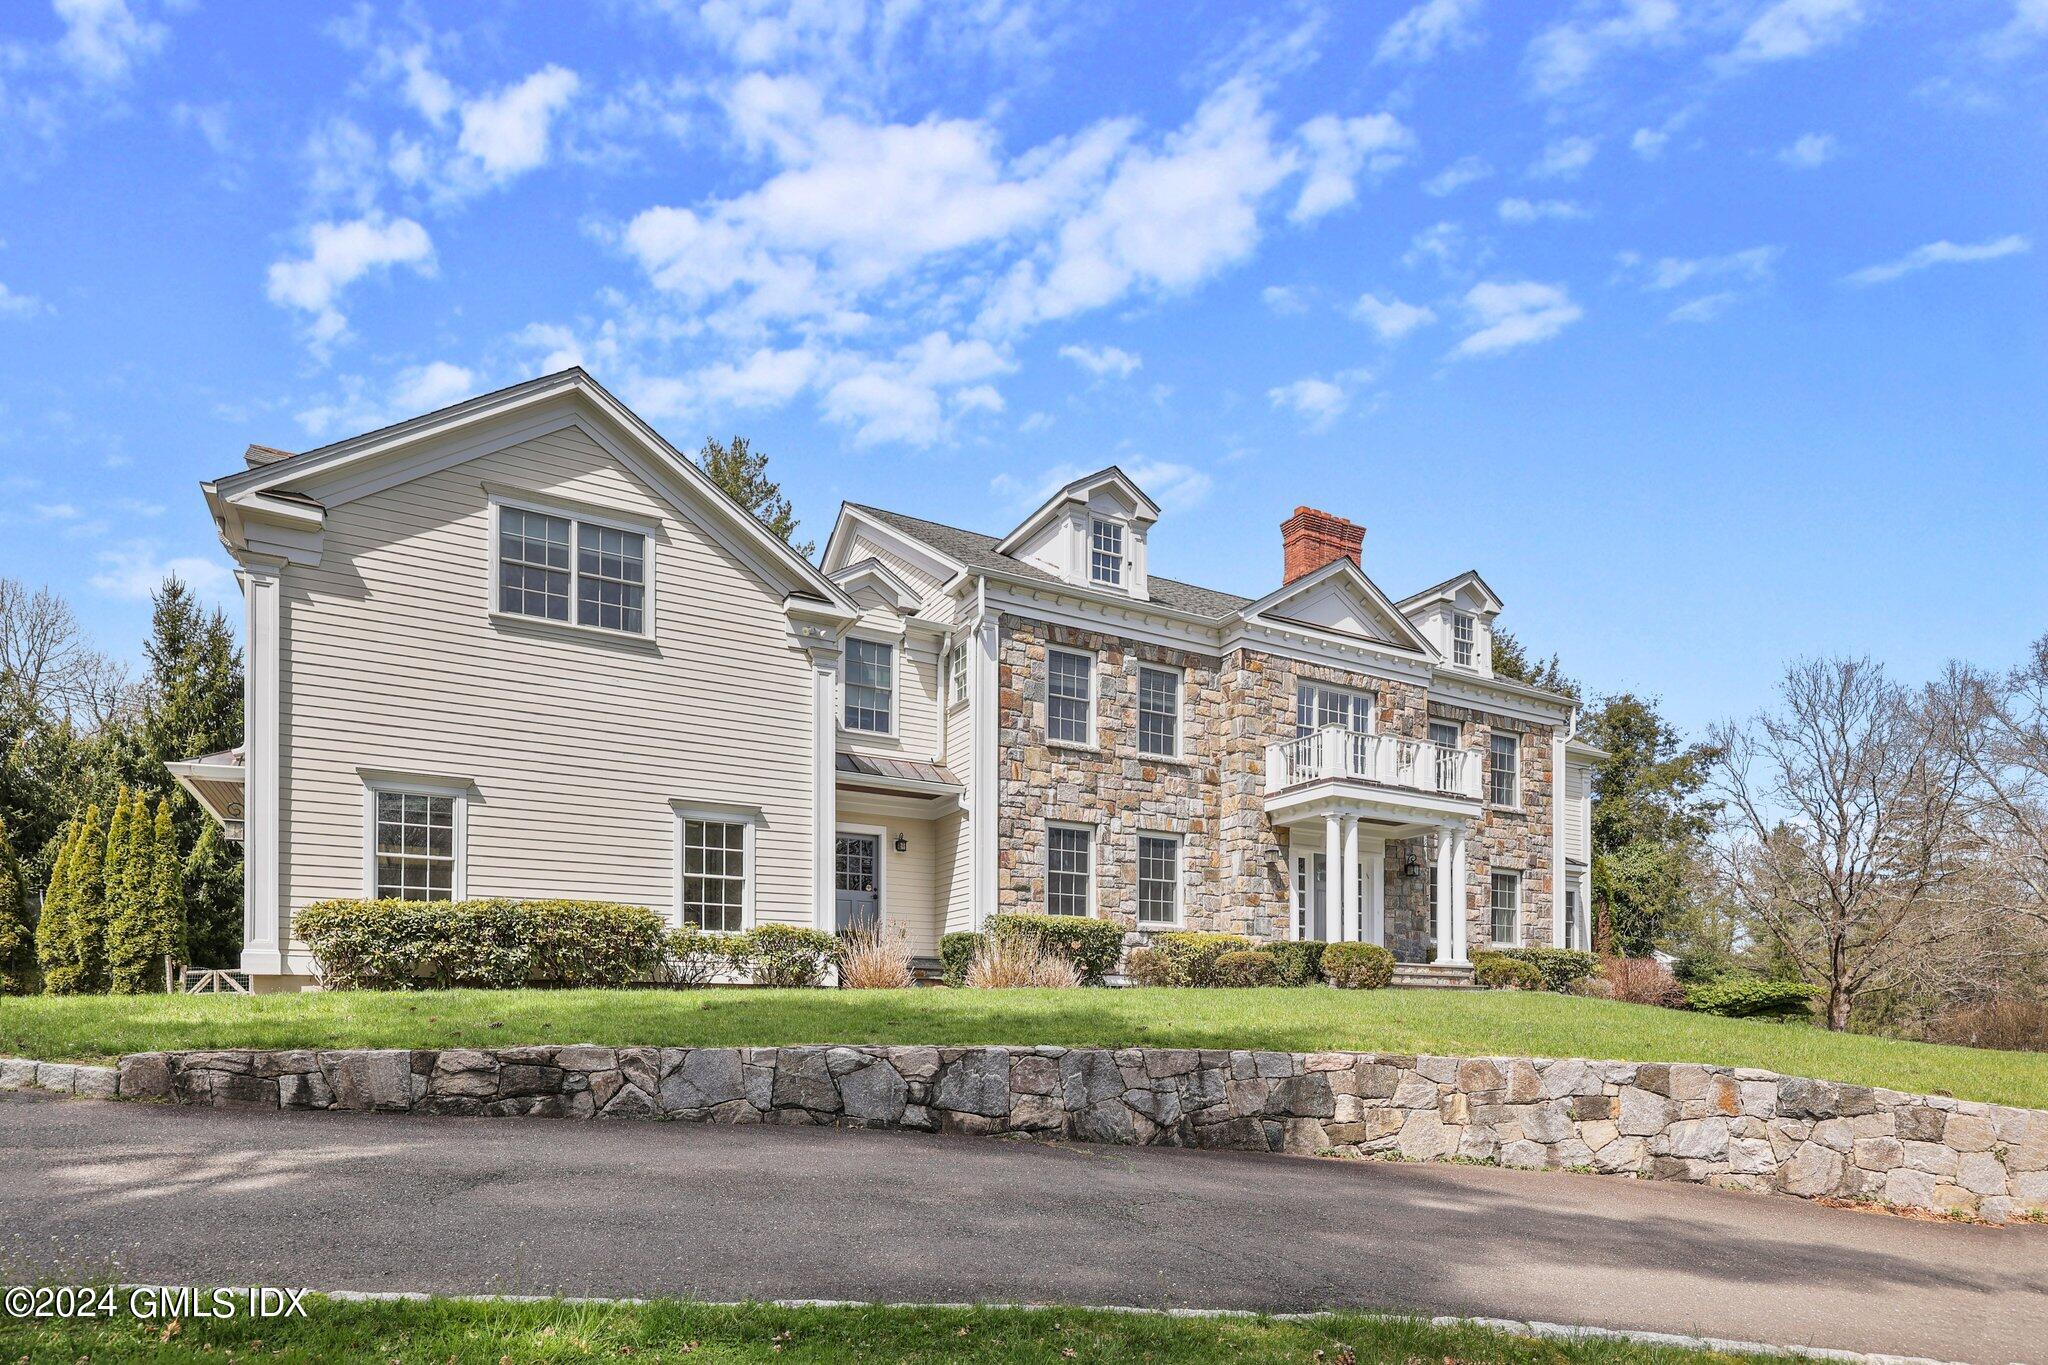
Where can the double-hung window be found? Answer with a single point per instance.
(1507, 909)
(1316, 706)
(415, 844)
(538, 575)
(1159, 712)
(1461, 639)
(1571, 918)
(1158, 879)
(956, 675)
(1503, 771)
(1106, 552)
(712, 891)
(1070, 697)
(870, 686)
(1069, 868)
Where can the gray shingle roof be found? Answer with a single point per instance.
(978, 551)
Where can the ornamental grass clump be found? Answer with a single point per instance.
(1013, 961)
(870, 960)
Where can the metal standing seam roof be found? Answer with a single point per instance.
(900, 769)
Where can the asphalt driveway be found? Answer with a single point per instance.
(336, 1201)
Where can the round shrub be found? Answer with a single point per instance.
(956, 950)
(1499, 972)
(1357, 966)
(1247, 968)
(1149, 967)
(1191, 957)
(1561, 967)
(1092, 945)
(786, 954)
(1295, 963)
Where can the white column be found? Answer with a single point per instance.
(1333, 853)
(1347, 925)
(1375, 907)
(824, 779)
(261, 815)
(982, 703)
(1461, 931)
(1446, 949)
(1557, 818)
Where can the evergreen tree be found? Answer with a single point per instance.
(743, 475)
(1650, 819)
(74, 960)
(213, 901)
(53, 927)
(167, 888)
(17, 938)
(147, 921)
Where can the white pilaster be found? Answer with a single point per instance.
(1347, 922)
(1461, 929)
(1446, 947)
(1557, 818)
(261, 816)
(982, 818)
(824, 780)
(1333, 891)
(1375, 907)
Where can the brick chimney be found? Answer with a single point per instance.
(1313, 539)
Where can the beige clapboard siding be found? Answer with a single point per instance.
(916, 659)
(575, 743)
(908, 884)
(1577, 811)
(924, 583)
(950, 871)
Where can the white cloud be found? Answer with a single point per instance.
(1445, 245)
(1705, 308)
(906, 398)
(1175, 487)
(1754, 266)
(2027, 27)
(1431, 27)
(1809, 150)
(507, 131)
(432, 386)
(1940, 253)
(134, 571)
(57, 511)
(1507, 315)
(415, 390)
(1562, 57)
(13, 305)
(1102, 361)
(1283, 299)
(1649, 143)
(1337, 150)
(103, 39)
(1797, 28)
(1530, 211)
(1317, 401)
(1564, 158)
(339, 254)
(767, 378)
(1457, 175)
(1391, 319)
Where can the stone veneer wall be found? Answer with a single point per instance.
(1234, 862)
(1738, 1128)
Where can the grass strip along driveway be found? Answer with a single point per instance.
(1492, 1023)
(458, 1330)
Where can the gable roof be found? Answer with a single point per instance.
(1343, 573)
(1078, 491)
(1449, 588)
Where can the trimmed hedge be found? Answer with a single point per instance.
(1253, 968)
(496, 944)
(695, 957)
(956, 953)
(786, 954)
(1189, 959)
(1497, 971)
(1357, 966)
(1561, 967)
(1297, 963)
(1748, 997)
(1092, 945)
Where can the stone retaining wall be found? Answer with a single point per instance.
(1726, 1126)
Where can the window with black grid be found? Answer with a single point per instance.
(611, 582)
(533, 564)
(1067, 864)
(1507, 909)
(1106, 553)
(1158, 879)
(1503, 771)
(1159, 712)
(1070, 687)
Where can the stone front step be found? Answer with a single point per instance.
(1432, 976)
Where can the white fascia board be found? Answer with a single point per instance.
(1578, 748)
(874, 571)
(1079, 491)
(1304, 643)
(1359, 582)
(1509, 699)
(1447, 591)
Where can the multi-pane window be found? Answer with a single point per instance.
(1461, 640)
(611, 578)
(533, 564)
(1158, 712)
(1158, 879)
(1106, 552)
(1503, 771)
(1069, 693)
(1507, 909)
(956, 676)
(537, 576)
(714, 890)
(870, 686)
(415, 846)
(1067, 854)
(1316, 706)
(1444, 735)
(1571, 917)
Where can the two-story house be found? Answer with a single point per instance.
(522, 647)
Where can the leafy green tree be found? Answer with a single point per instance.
(1650, 819)
(212, 878)
(1511, 661)
(743, 474)
(17, 935)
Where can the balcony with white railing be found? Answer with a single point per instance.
(1335, 754)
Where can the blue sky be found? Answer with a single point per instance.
(1711, 331)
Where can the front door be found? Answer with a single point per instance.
(856, 892)
(1312, 897)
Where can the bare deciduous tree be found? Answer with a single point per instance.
(49, 665)
(1996, 726)
(1841, 809)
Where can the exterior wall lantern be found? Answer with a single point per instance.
(902, 844)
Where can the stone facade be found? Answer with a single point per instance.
(1737, 1128)
(1234, 862)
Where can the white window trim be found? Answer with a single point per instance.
(750, 819)
(574, 513)
(1472, 626)
(406, 784)
(896, 655)
(1180, 681)
(1094, 911)
(1122, 580)
(1180, 879)
(1491, 910)
(1514, 801)
(1094, 697)
(957, 653)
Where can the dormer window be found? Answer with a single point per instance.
(1106, 552)
(1461, 639)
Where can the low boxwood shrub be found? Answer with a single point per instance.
(785, 954)
(496, 944)
(1295, 963)
(956, 951)
(1092, 945)
(1248, 968)
(1561, 967)
(1357, 966)
(1148, 967)
(1749, 997)
(695, 958)
(1190, 958)
(1497, 971)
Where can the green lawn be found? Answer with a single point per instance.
(442, 1330)
(96, 1028)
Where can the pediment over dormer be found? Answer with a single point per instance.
(1457, 617)
(1090, 533)
(1339, 598)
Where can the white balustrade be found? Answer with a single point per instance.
(1335, 753)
